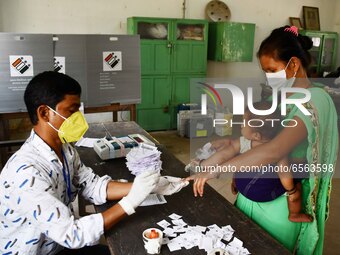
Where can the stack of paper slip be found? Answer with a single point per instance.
(178, 234)
(143, 158)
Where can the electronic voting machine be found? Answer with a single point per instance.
(117, 147)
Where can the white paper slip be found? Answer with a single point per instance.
(179, 229)
(236, 243)
(199, 228)
(188, 246)
(244, 251)
(206, 243)
(173, 246)
(214, 226)
(211, 238)
(164, 224)
(175, 216)
(232, 250)
(169, 232)
(228, 228)
(86, 142)
(220, 244)
(227, 236)
(154, 199)
(179, 222)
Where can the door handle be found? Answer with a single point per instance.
(169, 46)
(166, 109)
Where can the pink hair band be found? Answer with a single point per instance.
(292, 29)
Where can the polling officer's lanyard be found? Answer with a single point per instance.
(67, 178)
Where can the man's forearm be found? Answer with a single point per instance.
(112, 216)
(117, 190)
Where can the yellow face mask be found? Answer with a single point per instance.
(73, 128)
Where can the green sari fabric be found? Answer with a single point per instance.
(321, 154)
(272, 216)
(321, 151)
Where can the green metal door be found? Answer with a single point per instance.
(189, 46)
(153, 112)
(155, 34)
(155, 57)
(189, 58)
(172, 52)
(180, 93)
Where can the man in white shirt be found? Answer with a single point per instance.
(39, 182)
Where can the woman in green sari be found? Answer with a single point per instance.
(311, 144)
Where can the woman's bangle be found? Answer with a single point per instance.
(292, 191)
(200, 164)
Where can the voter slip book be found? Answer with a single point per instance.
(143, 158)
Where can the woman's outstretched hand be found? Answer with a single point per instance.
(199, 181)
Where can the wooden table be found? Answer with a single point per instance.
(126, 237)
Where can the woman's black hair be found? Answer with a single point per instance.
(283, 44)
(48, 88)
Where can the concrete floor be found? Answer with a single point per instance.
(180, 147)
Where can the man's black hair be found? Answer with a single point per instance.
(48, 88)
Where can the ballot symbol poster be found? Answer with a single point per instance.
(70, 58)
(59, 65)
(112, 61)
(21, 65)
(21, 57)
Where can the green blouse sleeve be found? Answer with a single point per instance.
(300, 151)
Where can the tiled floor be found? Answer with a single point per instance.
(180, 147)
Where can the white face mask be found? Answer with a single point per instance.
(278, 79)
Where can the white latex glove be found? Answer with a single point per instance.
(169, 185)
(141, 188)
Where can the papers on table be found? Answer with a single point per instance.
(174, 216)
(154, 199)
(143, 158)
(86, 142)
(164, 224)
(178, 234)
